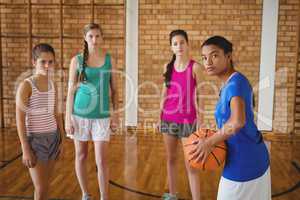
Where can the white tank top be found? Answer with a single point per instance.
(40, 113)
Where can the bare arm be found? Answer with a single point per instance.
(236, 121)
(163, 96)
(58, 111)
(113, 86)
(115, 122)
(199, 102)
(22, 99)
(72, 86)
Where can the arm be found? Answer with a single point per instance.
(22, 99)
(236, 121)
(58, 112)
(197, 72)
(113, 87)
(72, 86)
(114, 97)
(163, 97)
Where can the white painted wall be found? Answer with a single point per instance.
(267, 64)
(131, 99)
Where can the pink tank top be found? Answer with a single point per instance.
(179, 105)
(40, 114)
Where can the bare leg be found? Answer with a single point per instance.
(171, 143)
(101, 157)
(81, 153)
(40, 176)
(193, 176)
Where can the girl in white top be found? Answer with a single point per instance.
(39, 123)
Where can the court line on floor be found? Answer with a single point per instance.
(22, 197)
(294, 187)
(136, 191)
(291, 189)
(10, 161)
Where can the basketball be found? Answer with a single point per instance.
(214, 160)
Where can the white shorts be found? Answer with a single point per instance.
(258, 189)
(90, 129)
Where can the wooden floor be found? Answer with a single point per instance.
(138, 170)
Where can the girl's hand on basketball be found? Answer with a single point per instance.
(202, 149)
(28, 158)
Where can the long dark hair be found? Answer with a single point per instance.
(168, 73)
(82, 76)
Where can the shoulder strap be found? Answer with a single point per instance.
(51, 83)
(31, 82)
(108, 59)
(79, 58)
(191, 63)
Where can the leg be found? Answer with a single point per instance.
(81, 153)
(171, 151)
(101, 157)
(40, 176)
(193, 176)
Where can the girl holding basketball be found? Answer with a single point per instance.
(179, 114)
(246, 172)
(39, 122)
(88, 115)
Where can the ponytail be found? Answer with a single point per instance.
(168, 73)
(170, 66)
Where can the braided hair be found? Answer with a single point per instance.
(82, 75)
(170, 65)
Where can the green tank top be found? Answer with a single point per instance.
(91, 99)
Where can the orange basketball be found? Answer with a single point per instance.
(215, 159)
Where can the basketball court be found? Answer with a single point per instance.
(265, 34)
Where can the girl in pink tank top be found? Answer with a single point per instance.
(39, 123)
(180, 113)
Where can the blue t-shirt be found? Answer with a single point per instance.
(247, 155)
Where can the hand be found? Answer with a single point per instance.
(61, 143)
(28, 158)
(158, 124)
(69, 127)
(114, 122)
(200, 124)
(201, 150)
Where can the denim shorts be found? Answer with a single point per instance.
(45, 146)
(177, 130)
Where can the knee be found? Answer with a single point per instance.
(190, 169)
(172, 159)
(81, 156)
(101, 161)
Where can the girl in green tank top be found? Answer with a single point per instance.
(92, 96)
(88, 112)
